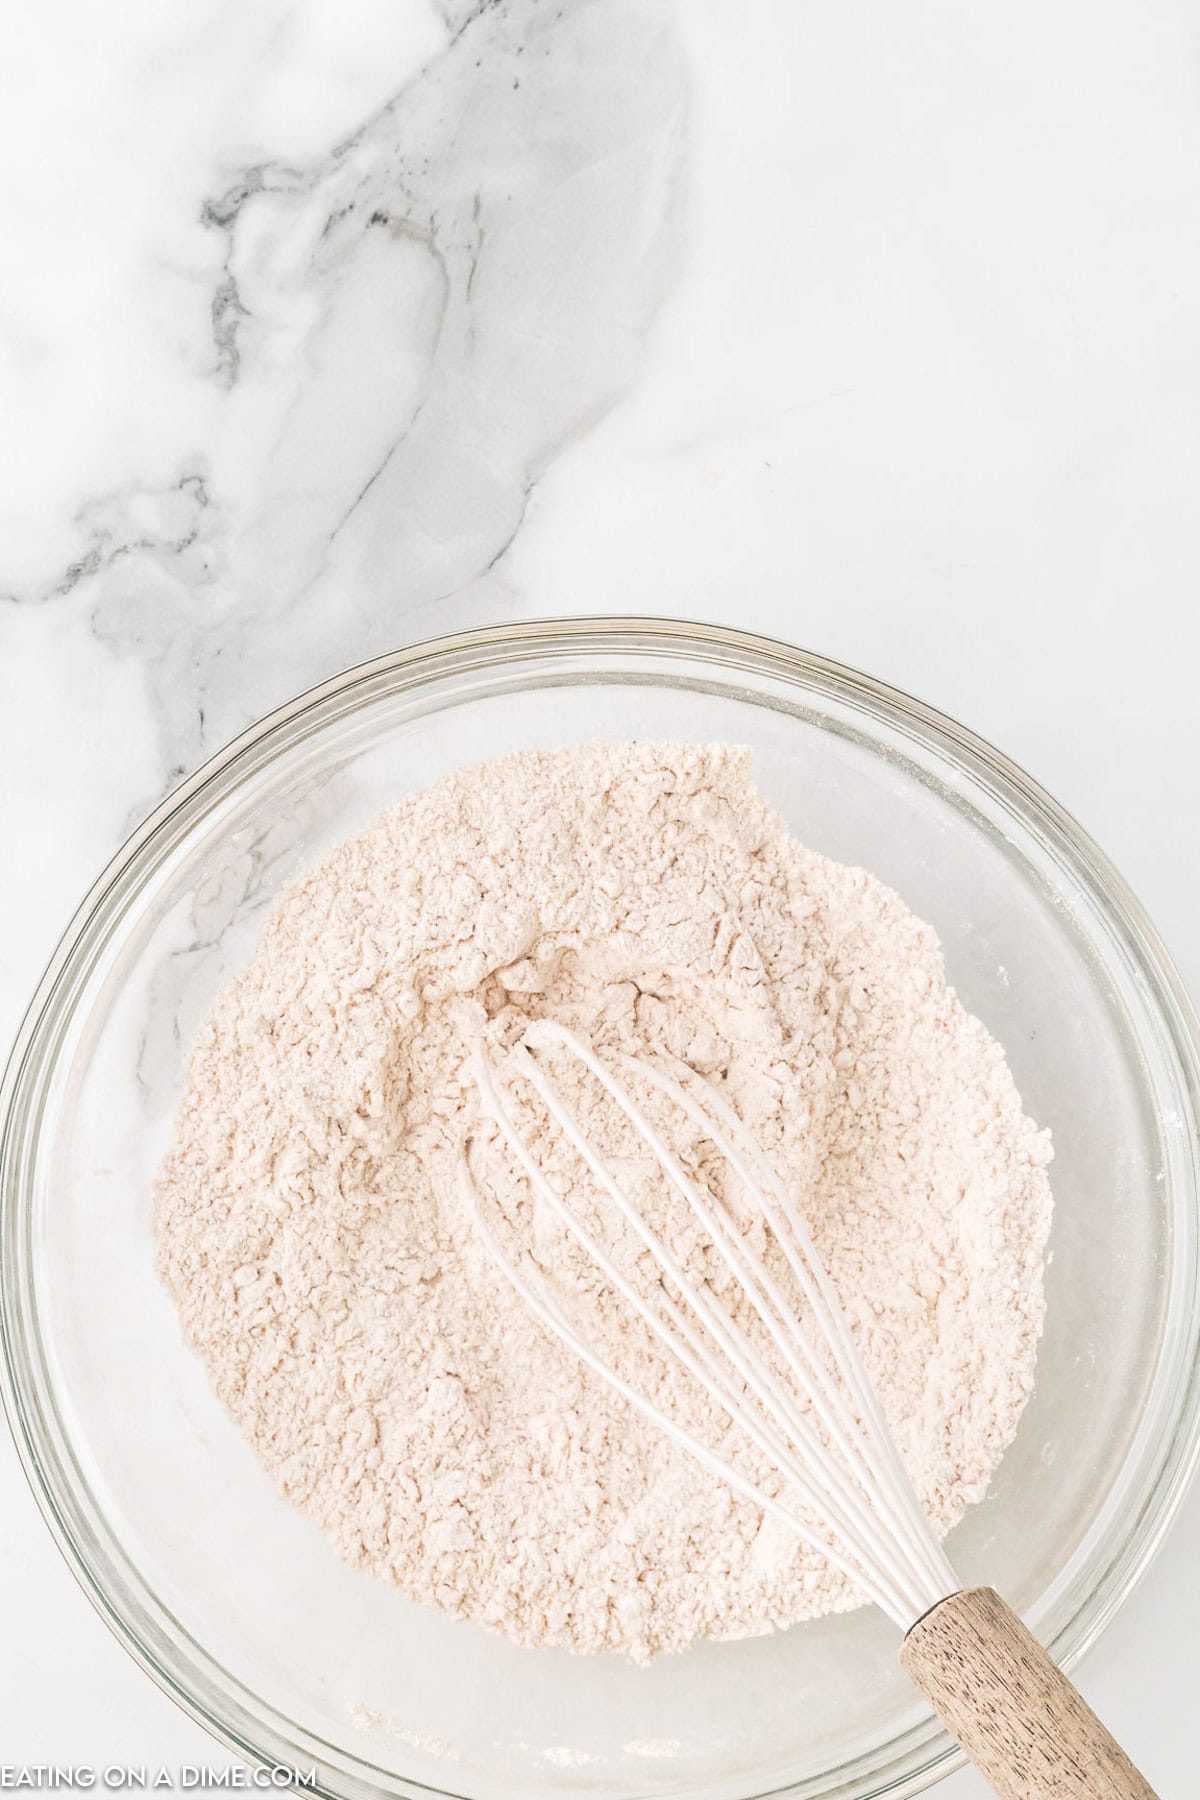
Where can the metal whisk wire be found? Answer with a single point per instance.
(859, 1508)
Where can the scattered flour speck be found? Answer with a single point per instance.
(562, 1756)
(427, 1743)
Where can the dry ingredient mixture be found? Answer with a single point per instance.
(311, 1227)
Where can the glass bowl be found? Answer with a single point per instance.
(232, 1600)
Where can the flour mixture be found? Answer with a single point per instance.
(311, 1228)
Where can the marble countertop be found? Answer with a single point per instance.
(325, 329)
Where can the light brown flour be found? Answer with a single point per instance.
(311, 1229)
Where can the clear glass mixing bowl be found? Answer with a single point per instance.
(232, 1600)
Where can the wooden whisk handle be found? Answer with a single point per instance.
(1021, 1722)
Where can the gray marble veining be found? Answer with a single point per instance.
(404, 332)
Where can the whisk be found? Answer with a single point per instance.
(807, 1407)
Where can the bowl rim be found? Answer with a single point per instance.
(43, 1446)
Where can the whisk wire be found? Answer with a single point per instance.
(695, 1358)
(868, 1508)
(865, 1442)
(794, 1237)
(535, 1298)
(748, 1270)
(816, 1490)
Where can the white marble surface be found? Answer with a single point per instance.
(323, 328)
